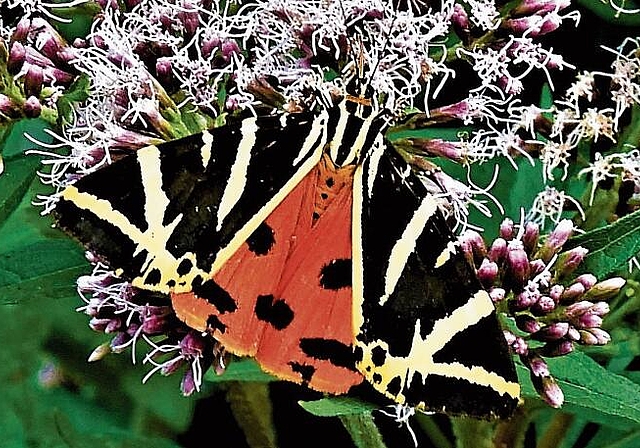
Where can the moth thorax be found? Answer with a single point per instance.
(331, 181)
(350, 134)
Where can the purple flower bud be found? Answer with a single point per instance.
(172, 366)
(555, 292)
(530, 237)
(33, 81)
(573, 334)
(498, 250)
(527, 323)
(460, 19)
(544, 305)
(594, 336)
(572, 293)
(506, 229)
(605, 289)
(189, 17)
(577, 309)
(119, 341)
(570, 260)
(524, 299)
(587, 280)
(99, 352)
(164, 70)
(509, 337)
(588, 320)
(520, 346)
(32, 107)
(528, 7)
(21, 33)
(552, 332)
(193, 344)
(188, 384)
(99, 324)
(17, 56)
(441, 148)
(517, 268)
(487, 273)
(536, 365)
(536, 266)
(600, 308)
(554, 349)
(155, 319)
(497, 294)
(229, 48)
(7, 107)
(556, 240)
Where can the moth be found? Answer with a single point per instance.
(305, 241)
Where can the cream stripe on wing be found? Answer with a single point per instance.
(406, 244)
(238, 176)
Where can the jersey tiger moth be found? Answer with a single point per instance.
(305, 241)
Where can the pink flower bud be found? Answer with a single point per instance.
(544, 305)
(17, 57)
(536, 266)
(460, 19)
(506, 229)
(527, 323)
(587, 280)
(528, 7)
(189, 17)
(577, 309)
(517, 268)
(530, 237)
(605, 289)
(474, 244)
(498, 250)
(32, 107)
(497, 294)
(557, 348)
(172, 366)
(552, 332)
(572, 293)
(555, 292)
(487, 273)
(588, 320)
(570, 260)
(33, 81)
(193, 344)
(188, 385)
(556, 240)
(594, 336)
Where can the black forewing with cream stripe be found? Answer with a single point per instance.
(428, 334)
(171, 215)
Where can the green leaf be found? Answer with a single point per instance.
(337, 406)
(609, 247)
(18, 175)
(252, 410)
(591, 391)
(363, 430)
(240, 370)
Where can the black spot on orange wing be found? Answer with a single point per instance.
(274, 311)
(215, 295)
(336, 274)
(336, 352)
(261, 240)
(305, 371)
(214, 323)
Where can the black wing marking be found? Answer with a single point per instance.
(173, 214)
(428, 334)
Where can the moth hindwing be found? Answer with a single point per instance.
(305, 241)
